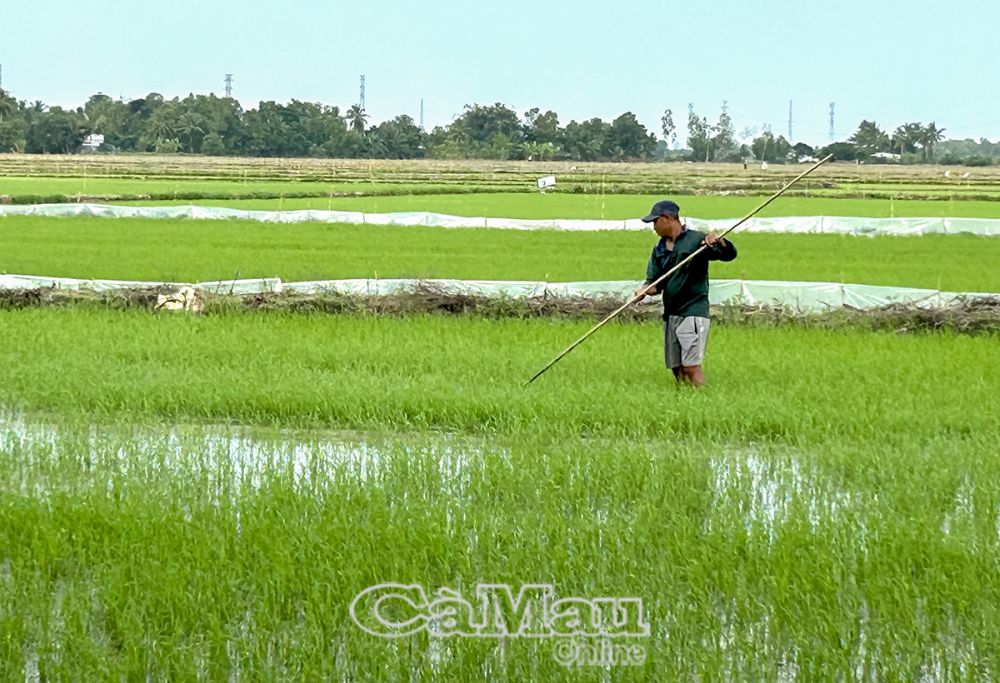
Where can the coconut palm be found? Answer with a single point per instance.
(357, 118)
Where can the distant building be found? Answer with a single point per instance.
(887, 156)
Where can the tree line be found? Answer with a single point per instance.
(207, 124)
(212, 125)
(913, 142)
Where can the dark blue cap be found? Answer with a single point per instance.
(664, 207)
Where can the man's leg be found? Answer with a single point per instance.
(692, 335)
(672, 347)
(693, 375)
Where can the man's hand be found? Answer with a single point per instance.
(645, 291)
(711, 239)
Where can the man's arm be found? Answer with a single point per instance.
(652, 273)
(646, 290)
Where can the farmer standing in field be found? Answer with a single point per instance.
(685, 293)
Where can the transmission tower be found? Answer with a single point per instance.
(830, 133)
(229, 85)
(1, 75)
(361, 97)
(789, 121)
(421, 113)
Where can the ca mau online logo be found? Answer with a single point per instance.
(397, 610)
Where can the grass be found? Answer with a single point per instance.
(825, 515)
(182, 250)
(619, 206)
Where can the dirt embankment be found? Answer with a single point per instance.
(973, 316)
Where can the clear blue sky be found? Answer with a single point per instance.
(892, 61)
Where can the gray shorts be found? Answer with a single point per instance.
(684, 340)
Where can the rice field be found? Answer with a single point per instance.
(766, 563)
(164, 188)
(179, 178)
(202, 497)
(610, 206)
(465, 374)
(178, 250)
(844, 526)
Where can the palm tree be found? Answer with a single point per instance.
(906, 137)
(7, 104)
(161, 128)
(189, 125)
(930, 136)
(356, 117)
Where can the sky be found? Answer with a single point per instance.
(884, 60)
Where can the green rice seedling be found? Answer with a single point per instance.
(467, 373)
(619, 206)
(134, 549)
(192, 251)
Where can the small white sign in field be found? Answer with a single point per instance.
(546, 182)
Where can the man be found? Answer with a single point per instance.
(685, 293)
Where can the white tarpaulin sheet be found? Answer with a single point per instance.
(840, 225)
(803, 296)
(256, 286)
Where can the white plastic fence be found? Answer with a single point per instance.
(803, 296)
(844, 225)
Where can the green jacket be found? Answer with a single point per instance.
(686, 291)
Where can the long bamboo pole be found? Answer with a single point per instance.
(642, 294)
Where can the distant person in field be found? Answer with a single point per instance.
(685, 293)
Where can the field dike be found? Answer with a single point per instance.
(979, 315)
